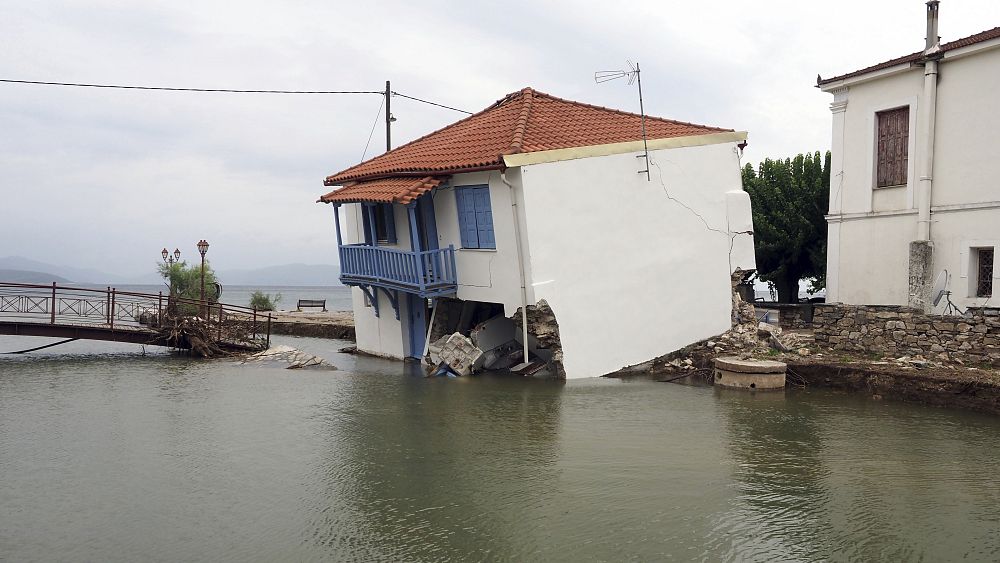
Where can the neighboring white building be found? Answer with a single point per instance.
(538, 198)
(915, 186)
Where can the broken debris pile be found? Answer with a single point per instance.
(294, 358)
(493, 345)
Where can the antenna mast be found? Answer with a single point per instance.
(634, 76)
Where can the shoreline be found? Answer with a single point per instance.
(913, 381)
(338, 325)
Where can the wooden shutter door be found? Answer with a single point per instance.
(893, 147)
(367, 224)
(390, 222)
(484, 218)
(467, 218)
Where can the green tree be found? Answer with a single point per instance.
(184, 282)
(264, 301)
(790, 198)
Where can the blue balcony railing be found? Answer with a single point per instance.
(427, 273)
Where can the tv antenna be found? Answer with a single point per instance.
(940, 292)
(633, 77)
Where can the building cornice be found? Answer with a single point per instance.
(556, 155)
(979, 206)
(908, 65)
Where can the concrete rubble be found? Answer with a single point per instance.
(294, 358)
(499, 338)
(492, 345)
(457, 352)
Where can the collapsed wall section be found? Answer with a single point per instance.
(544, 329)
(490, 341)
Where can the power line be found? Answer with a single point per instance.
(173, 89)
(431, 103)
(226, 90)
(372, 132)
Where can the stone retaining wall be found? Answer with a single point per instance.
(791, 316)
(900, 331)
(314, 330)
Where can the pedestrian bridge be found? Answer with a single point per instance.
(125, 316)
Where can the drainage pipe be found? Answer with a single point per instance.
(520, 262)
(927, 151)
(932, 52)
(430, 327)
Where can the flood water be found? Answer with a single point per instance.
(109, 455)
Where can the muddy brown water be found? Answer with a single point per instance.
(109, 455)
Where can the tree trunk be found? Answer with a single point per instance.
(788, 289)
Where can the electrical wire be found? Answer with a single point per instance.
(227, 90)
(175, 89)
(377, 114)
(431, 103)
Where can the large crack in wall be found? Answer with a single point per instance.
(544, 328)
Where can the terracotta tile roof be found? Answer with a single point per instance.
(387, 190)
(913, 57)
(524, 121)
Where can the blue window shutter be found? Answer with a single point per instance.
(366, 223)
(484, 218)
(390, 222)
(467, 218)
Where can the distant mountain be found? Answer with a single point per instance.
(285, 274)
(29, 276)
(66, 273)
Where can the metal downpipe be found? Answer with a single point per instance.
(520, 262)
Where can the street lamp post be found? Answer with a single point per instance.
(202, 248)
(167, 258)
(170, 260)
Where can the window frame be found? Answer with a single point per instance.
(984, 284)
(474, 209)
(902, 138)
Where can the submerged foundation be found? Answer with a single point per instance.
(497, 341)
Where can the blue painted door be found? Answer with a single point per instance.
(416, 324)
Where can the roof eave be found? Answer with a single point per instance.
(911, 61)
(414, 173)
(837, 83)
(557, 155)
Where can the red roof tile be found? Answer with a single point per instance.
(524, 121)
(387, 190)
(913, 57)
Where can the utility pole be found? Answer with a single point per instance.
(388, 118)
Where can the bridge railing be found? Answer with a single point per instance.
(128, 310)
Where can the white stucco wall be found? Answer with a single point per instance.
(483, 274)
(630, 273)
(870, 229)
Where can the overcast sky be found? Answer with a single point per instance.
(106, 178)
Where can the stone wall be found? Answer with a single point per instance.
(790, 315)
(900, 331)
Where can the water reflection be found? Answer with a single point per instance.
(814, 484)
(125, 457)
(779, 505)
(440, 469)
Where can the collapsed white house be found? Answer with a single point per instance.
(544, 203)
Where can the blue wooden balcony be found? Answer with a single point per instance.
(427, 273)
